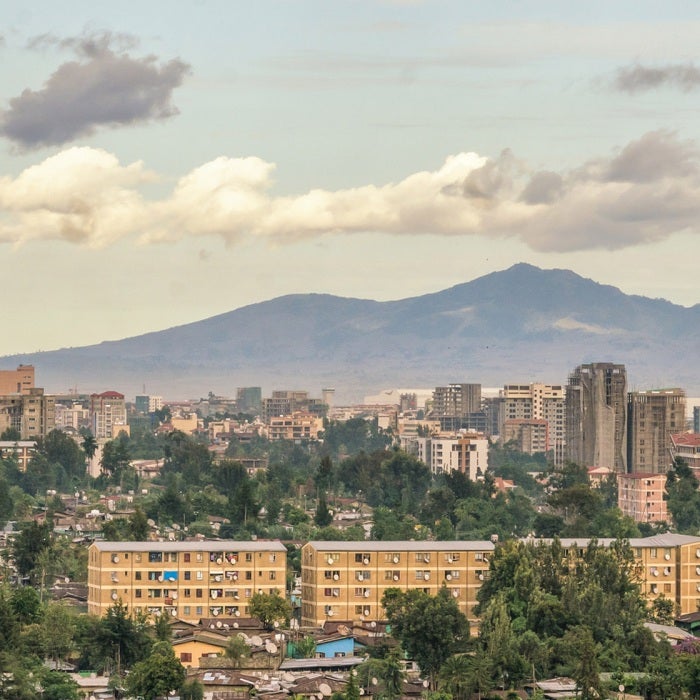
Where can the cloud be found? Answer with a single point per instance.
(643, 192)
(639, 78)
(105, 87)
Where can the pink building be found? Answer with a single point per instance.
(641, 496)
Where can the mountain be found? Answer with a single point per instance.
(519, 325)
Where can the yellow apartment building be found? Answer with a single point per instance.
(346, 580)
(187, 580)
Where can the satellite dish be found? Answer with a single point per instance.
(271, 648)
(325, 690)
(257, 641)
(235, 625)
(219, 624)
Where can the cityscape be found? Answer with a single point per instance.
(349, 350)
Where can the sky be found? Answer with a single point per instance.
(162, 162)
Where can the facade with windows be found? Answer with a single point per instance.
(346, 580)
(186, 580)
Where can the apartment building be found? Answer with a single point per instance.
(286, 402)
(641, 497)
(596, 416)
(687, 447)
(652, 417)
(32, 414)
(467, 453)
(186, 580)
(527, 402)
(145, 403)
(529, 434)
(17, 381)
(346, 580)
(107, 414)
(297, 426)
(20, 450)
(454, 404)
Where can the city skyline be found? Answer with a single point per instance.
(156, 173)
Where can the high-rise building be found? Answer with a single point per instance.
(107, 414)
(596, 416)
(652, 417)
(454, 404)
(696, 419)
(528, 402)
(286, 402)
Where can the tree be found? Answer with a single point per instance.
(237, 650)
(192, 690)
(323, 516)
(57, 630)
(430, 628)
(27, 548)
(158, 674)
(58, 685)
(306, 647)
(121, 638)
(270, 608)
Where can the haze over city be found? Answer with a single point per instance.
(164, 163)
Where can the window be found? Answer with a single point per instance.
(422, 557)
(359, 610)
(451, 556)
(422, 575)
(273, 575)
(137, 575)
(392, 558)
(390, 575)
(155, 557)
(248, 592)
(185, 656)
(199, 556)
(187, 556)
(273, 558)
(248, 575)
(137, 593)
(187, 593)
(248, 556)
(198, 593)
(155, 575)
(188, 575)
(186, 610)
(362, 558)
(137, 557)
(329, 574)
(198, 610)
(200, 575)
(363, 575)
(652, 552)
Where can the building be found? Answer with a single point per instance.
(148, 404)
(466, 453)
(297, 426)
(453, 404)
(686, 446)
(641, 497)
(346, 580)
(17, 381)
(284, 403)
(21, 450)
(249, 399)
(652, 417)
(186, 580)
(538, 402)
(696, 419)
(32, 414)
(107, 414)
(596, 416)
(531, 435)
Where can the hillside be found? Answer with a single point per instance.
(521, 324)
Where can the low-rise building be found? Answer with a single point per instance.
(296, 426)
(346, 580)
(187, 580)
(641, 497)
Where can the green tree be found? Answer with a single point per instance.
(237, 650)
(57, 631)
(306, 647)
(323, 516)
(157, 675)
(270, 608)
(192, 690)
(430, 628)
(27, 548)
(58, 685)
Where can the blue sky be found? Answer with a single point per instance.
(163, 162)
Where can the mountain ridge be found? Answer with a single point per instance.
(521, 324)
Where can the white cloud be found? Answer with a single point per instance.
(644, 192)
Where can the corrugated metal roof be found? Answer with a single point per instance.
(205, 546)
(404, 546)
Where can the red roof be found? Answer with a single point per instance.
(110, 395)
(687, 439)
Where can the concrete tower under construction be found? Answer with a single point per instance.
(596, 416)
